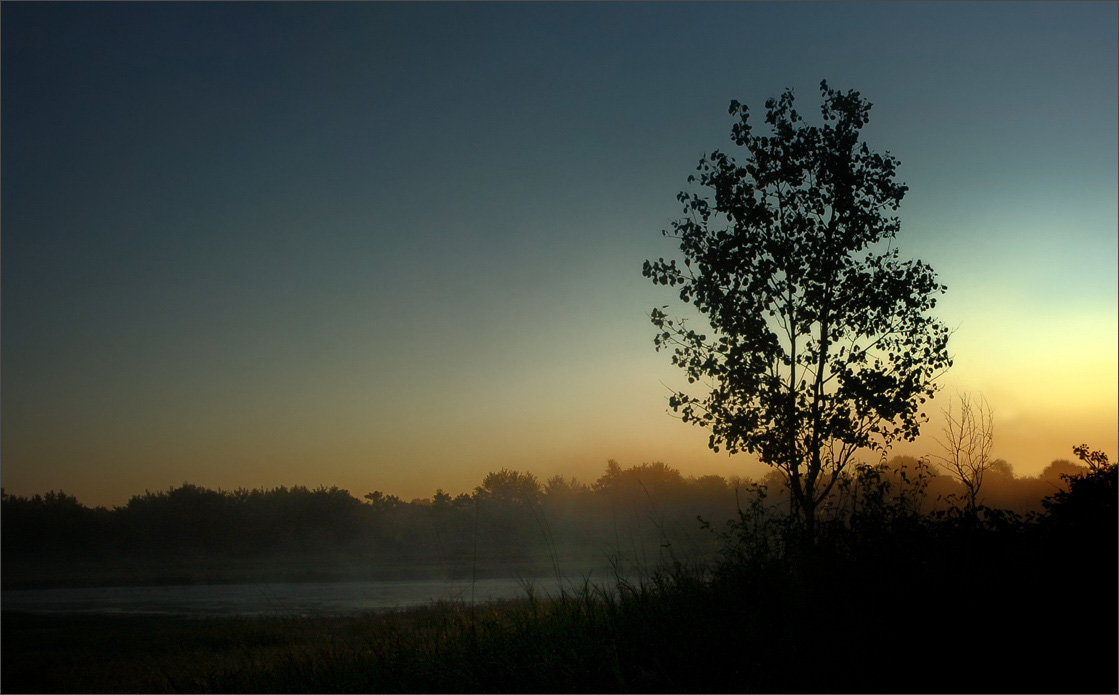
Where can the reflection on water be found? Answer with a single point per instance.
(317, 598)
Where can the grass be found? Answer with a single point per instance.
(903, 604)
(678, 632)
(531, 644)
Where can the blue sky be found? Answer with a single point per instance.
(396, 246)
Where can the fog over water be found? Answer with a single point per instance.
(302, 598)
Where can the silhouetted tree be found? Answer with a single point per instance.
(51, 524)
(508, 513)
(1088, 505)
(383, 502)
(656, 479)
(507, 486)
(822, 343)
(966, 441)
(1060, 468)
(565, 494)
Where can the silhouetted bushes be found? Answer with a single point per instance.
(635, 518)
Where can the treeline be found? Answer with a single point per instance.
(631, 518)
(644, 514)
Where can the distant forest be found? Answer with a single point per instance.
(628, 520)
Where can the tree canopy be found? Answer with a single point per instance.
(822, 342)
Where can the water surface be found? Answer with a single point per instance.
(311, 598)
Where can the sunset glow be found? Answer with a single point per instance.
(398, 246)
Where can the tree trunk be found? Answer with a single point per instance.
(808, 508)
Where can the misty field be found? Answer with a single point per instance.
(893, 599)
(899, 628)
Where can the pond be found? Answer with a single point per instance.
(310, 598)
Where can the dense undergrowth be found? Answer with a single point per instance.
(888, 599)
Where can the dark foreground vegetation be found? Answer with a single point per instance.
(889, 598)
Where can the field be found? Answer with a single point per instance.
(998, 620)
(883, 598)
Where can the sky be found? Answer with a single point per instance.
(397, 246)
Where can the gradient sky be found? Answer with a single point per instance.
(396, 246)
